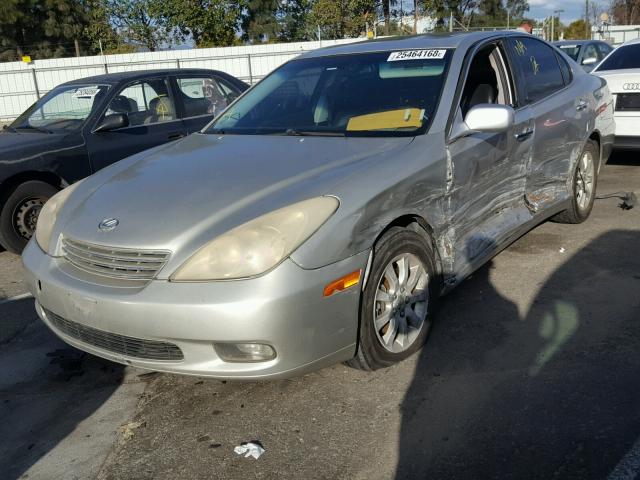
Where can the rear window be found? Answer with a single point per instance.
(622, 58)
(572, 50)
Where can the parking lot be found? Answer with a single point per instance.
(531, 371)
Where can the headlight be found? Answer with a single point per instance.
(49, 215)
(258, 245)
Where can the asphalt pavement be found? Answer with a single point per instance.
(532, 370)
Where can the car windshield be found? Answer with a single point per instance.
(572, 50)
(622, 57)
(374, 94)
(64, 109)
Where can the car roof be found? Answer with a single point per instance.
(432, 40)
(118, 77)
(631, 42)
(573, 42)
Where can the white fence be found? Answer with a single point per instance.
(615, 34)
(22, 84)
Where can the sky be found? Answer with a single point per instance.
(573, 9)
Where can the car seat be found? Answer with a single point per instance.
(161, 110)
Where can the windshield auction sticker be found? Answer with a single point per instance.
(416, 55)
(86, 92)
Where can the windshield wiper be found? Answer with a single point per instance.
(9, 127)
(312, 133)
(31, 127)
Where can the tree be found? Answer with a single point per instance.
(294, 21)
(100, 32)
(343, 18)
(626, 12)
(138, 22)
(208, 22)
(261, 20)
(576, 30)
(43, 28)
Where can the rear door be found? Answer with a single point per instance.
(153, 120)
(558, 109)
(202, 97)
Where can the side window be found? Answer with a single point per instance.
(486, 81)
(145, 102)
(590, 52)
(565, 69)
(204, 95)
(604, 50)
(538, 67)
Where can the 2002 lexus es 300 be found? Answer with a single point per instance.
(321, 215)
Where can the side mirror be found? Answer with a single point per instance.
(113, 122)
(489, 118)
(589, 61)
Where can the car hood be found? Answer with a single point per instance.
(617, 78)
(22, 146)
(184, 194)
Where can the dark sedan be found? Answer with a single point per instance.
(82, 126)
(586, 53)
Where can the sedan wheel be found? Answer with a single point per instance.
(19, 212)
(400, 307)
(395, 311)
(585, 180)
(583, 186)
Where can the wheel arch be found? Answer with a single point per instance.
(9, 183)
(420, 225)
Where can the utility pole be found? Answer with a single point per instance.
(586, 20)
(553, 21)
(75, 41)
(508, 15)
(451, 21)
(415, 16)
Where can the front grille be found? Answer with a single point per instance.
(113, 262)
(112, 342)
(628, 102)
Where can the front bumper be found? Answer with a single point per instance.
(284, 309)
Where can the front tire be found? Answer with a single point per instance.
(20, 212)
(395, 312)
(583, 186)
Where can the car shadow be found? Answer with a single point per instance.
(552, 393)
(47, 390)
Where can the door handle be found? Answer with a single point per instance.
(524, 134)
(175, 136)
(581, 105)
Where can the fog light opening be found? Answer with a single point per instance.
(244, 352)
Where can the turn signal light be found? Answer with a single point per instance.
(343, 283)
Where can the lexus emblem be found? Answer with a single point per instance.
(108, 224)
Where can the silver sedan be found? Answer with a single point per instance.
(320, 217)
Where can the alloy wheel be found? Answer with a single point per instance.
(400, 306)
(584, 180)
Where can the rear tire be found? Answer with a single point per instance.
(395, 315)
(20, 211)
(583, 186)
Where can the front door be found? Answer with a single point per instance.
(150, 107)
(487, 173)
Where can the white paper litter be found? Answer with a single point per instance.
(249, 449)
(562, 250)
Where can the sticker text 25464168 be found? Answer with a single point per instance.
(416, 55)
